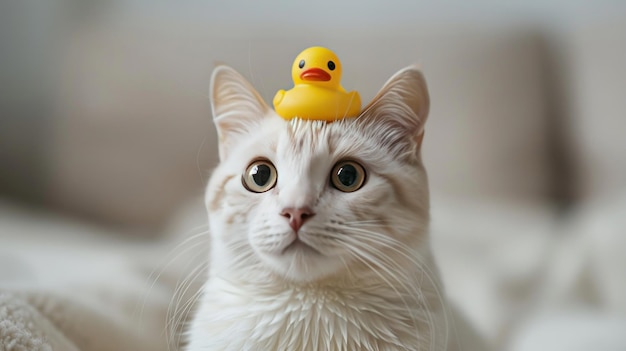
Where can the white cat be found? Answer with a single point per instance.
(319, 231)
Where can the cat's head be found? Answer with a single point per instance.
(307, 200)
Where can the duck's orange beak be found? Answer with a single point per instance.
(315, 74)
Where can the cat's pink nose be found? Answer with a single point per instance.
(297, 216)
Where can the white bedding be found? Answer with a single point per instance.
(67, 286)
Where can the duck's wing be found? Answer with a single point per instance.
(278, 97)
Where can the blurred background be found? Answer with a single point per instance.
(106, 144)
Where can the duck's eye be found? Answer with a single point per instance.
(260, 176)
(301, 64)
(347, 176)
(331, 65)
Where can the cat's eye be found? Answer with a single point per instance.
(347, 176)
(260, 176)
(331, 65)
(301, 64)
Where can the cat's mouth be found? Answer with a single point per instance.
(299, 245)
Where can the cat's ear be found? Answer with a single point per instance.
(236, 105)
(399, 111)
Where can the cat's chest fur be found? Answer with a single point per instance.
(308, 318)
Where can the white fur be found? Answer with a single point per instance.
(369, 281)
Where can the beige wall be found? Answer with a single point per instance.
(130, 137)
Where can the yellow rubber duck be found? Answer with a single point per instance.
(317, 93)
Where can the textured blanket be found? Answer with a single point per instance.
(66, 287)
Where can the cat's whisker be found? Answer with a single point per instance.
(379, 239)
(183, 287)
(403, 280)
(170, 260)
(396, 247)
(176, 325)
(371, 222)
(390, 243)
(357, 253)
(243, 261)
(347, 267)
(243, 257)
(178, 294)
(178, 316)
